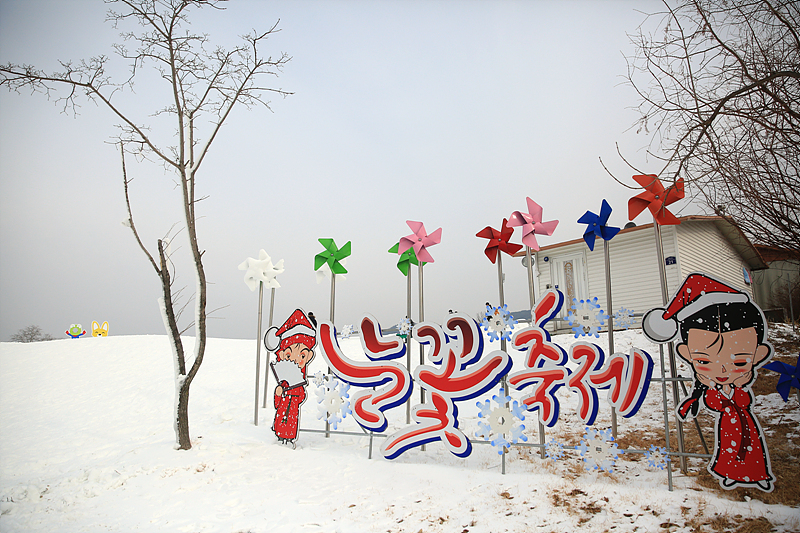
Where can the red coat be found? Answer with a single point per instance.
(740, 453)
(287, 412)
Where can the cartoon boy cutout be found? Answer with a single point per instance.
(293, 343)
(722, 335)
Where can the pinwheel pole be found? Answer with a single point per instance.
(261, 270)
(407, 259)
(419, 240)
(266, 368)
(333, 257)
(597, 226)
(531, 224)
(656, 198)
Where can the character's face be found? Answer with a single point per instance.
(75, 329)
(298, 353)
(724, 358)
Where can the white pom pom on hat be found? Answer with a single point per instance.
(657, 328)
(271, 339)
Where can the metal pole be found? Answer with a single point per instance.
(258, 348)
(408, 341)
(266, 368)
(532, 298)
(333, 300)
(531, 294)
(421, 350)
(791, 306)
(673, 365)
(502, 341)
(610, 312)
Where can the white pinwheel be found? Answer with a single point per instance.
(261, 270)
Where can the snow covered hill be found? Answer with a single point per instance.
(86, 445)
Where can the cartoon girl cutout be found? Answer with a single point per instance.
(294, 342)
(722, 335)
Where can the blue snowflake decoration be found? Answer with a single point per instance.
(347, 331)
(554, 449)
(657, 457)
(598, 450)
(586, 317)
(623, 318)
(499, 424)
(498, 323)
(333, 398)
(404, 328)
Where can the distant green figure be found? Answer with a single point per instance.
(75, 331)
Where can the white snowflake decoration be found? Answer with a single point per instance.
(554, 449)
(501, 428)
(347, 331)
(657, 457)
(623, 318)
(598, 449)
(333, 398)
(498, 323)
(586, 317)
(261, 270)
(318, 379)
(404, 327)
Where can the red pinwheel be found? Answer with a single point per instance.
(498, 241)
(597, 225)
(532, 224)
(420, 240)
(656, 198)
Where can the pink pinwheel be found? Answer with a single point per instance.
(420, 240)
(498, 241)
(532, 224)
(655, 198)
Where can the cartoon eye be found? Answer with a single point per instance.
(702, 361)
(741, 362)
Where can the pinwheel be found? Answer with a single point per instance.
(407, 259)
(532, 225)
(498, 241)
(597, 225)
(332, 256)
(420, 241)
(656, 198)
(259, 272)
(790, 377)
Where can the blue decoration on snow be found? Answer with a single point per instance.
(790, 377)
(498, 424)
(586, 317)
(498, 323)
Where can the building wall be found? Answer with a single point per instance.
(704, 249)
(697, 246)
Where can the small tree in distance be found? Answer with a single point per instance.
(202, 84)
(31, 334)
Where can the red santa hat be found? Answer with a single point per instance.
(697, 292)
(297, 328)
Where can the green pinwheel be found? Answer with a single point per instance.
(406, 259)
(332, 256)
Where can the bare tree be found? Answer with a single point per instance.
(31, 334)
(719, 83)
(202, 85)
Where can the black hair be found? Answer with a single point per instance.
(720, 318)
(723, 318)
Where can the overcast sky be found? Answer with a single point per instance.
(446, 112)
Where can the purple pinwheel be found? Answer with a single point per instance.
(420, 240)
(532, 224)
(790, 377)
(597, 225)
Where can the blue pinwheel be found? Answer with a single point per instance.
(790, 377)
(597, 225)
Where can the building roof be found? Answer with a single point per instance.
(724, 224)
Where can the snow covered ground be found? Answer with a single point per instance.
(86, 445)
